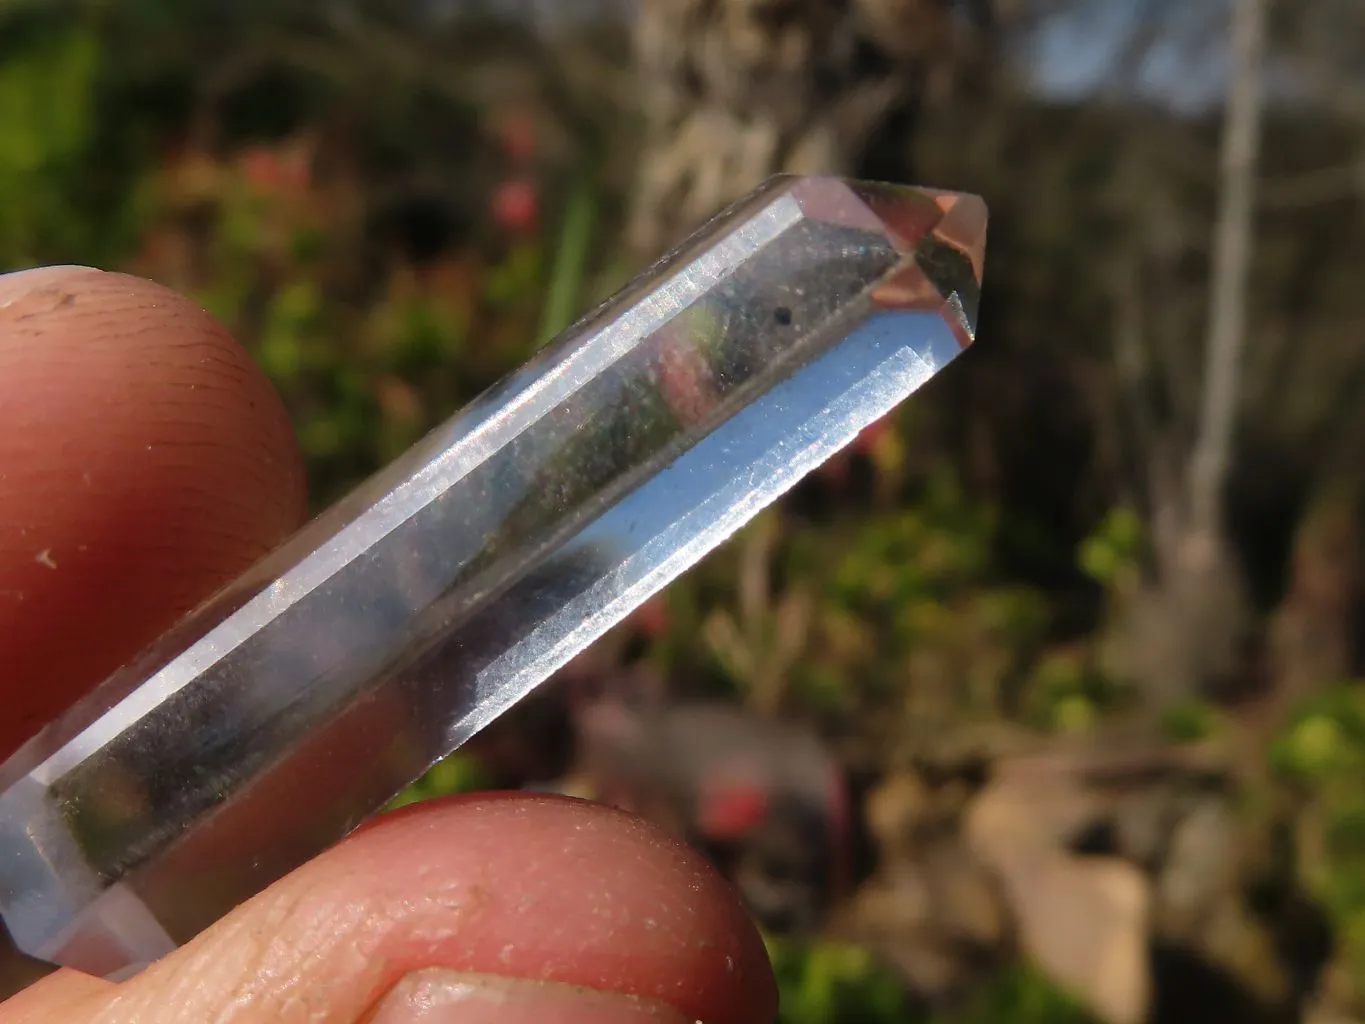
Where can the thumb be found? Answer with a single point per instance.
(493, 908)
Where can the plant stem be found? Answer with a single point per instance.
(571, 259)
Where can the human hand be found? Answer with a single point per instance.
(144, 461)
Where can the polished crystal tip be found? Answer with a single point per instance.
(402, 621)
(941, 235)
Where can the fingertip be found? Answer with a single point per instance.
(521, 886)
(144, 462)
(584, 894)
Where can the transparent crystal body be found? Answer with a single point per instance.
(394, 626)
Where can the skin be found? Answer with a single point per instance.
(144, 461)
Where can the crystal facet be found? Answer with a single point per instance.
(393, 627)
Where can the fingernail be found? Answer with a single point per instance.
(447, 997)
(20, 284)
(32, 275)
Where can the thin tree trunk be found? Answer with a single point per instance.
(1186, 634)
(1233, 245)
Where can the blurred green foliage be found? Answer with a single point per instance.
(457, 774)
(1321, 754)
(1021, 996)
(825, 982)
(1112, 555)
(830, 982)
(1191, 722)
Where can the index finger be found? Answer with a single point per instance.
(144, 462)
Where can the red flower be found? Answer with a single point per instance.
(285, 170)
(650, 620)
(516, 205)
(731, 811)
(866, 441)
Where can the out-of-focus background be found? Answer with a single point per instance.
(1041, 704)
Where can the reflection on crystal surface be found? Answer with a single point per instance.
(404, 620)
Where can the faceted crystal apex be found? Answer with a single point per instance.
(942, 234)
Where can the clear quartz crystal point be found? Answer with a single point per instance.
(396, 625)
